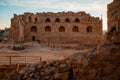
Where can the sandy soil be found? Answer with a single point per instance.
(38, 50)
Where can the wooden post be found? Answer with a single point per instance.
(25, 60)
(17, 67)
(10, 59)
(40, 59)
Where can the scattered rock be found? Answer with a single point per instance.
(102, 63)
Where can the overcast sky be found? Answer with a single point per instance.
(9, 7)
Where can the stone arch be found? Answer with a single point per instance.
(47, 29)
(75, 29)
(77, 20)
(61, 29)
(57, 20)
(47, 20)
(36, 19)
(30, 19)
(89, 29)
(34, 29)
(67, 20)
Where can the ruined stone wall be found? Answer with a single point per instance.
(61, 27)
(101, 63)
(114, 15)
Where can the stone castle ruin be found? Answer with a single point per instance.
(100, 64)
(112, 37)
(57, 28)
(114, 16)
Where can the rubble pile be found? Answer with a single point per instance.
(86, 66)
(23, 46)
(101, 63)
(43, 71)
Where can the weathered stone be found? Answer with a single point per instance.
(103, 63)
(32, 75)
(39, 66)
(113, 16)
(63, 68)
(18, 47)
(86, 30)
(92, 74)
(22, 71)
(33, 67)
(14, 76)
(108, 69)
(61, 76)
(25, 77)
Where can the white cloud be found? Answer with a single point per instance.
(61, 4)
(57, 4)
(97, 7)
(2, 3)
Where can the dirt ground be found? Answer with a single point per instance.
(38, 50)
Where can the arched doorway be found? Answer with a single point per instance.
(77, 20)
(57, 20)
(75, 29)
(34, 29)
(33, 33)
(36, 20)
(33, 38)
(47, 20)
(47, 29)
(61, 29)
(30, 19)
(67, 20)
(89, 29)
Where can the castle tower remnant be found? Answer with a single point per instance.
(114, 16)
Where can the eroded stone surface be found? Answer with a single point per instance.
(101, 63)
(79, 28)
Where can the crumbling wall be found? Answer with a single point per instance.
(38, 20)
(113, 15)
(81, 66)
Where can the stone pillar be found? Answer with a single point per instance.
(21, 32)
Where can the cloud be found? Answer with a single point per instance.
(2, 3)
(97, 7)
(64, 5)
(55, 4)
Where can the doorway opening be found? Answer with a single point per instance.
(113, 29)
(33, 38)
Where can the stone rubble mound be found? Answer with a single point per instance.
(23, 46)
(86, 66)
(101, 63)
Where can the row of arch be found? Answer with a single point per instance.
(56, 20)
(61, 29)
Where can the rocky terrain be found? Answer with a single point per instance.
(81, 67)
(101, 63)
(5, 70)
